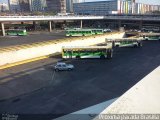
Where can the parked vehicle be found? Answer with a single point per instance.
(61, 66)
(107, 30)
(17, 32)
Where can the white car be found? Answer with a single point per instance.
(107, 30)
(63, 66)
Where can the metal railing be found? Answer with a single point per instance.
(69, 17)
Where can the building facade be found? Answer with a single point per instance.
(24, 5)
(38, 5)
(4, 7)
(69, 5)
(56, 6)
(114, 7)
(14, 5)
(78, 1)
(134, 7)
(95, 8)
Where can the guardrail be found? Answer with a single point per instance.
(32, 18)
(146, 18)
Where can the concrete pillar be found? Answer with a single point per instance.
(119, 24)
(54, 25)
(81, 24)
(3, 29)
(34, 25)
(50, 26)
(140, 24)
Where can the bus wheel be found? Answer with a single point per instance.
(69, 69)
(78, 57)
(135, 46)
(109, 54)
(117, 45)
(140, 44)
(102, 57)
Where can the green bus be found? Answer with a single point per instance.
(152, 37)
(19, 32)
(97, 31)
(87, 52)
(83, 32)
(125, 42)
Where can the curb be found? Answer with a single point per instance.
(23, 62)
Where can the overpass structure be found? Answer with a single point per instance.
(140, 18)
(52, 18)
(149, 34)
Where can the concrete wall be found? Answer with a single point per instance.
(21, 53)
(143, 98)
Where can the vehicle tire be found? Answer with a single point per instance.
(135, 46)
(56, 70)
(146, 39)
(109, 54)
(113, 44)
(140, 44)
(69, 69)
(102, 57)
(78, 57)
(117, 45)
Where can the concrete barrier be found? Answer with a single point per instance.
(142, 99)
(24, 52)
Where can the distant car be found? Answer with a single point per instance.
(61, 66)
(107, 30)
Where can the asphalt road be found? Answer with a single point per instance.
(93, 81)
(31, 38)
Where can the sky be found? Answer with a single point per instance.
(156, 2)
